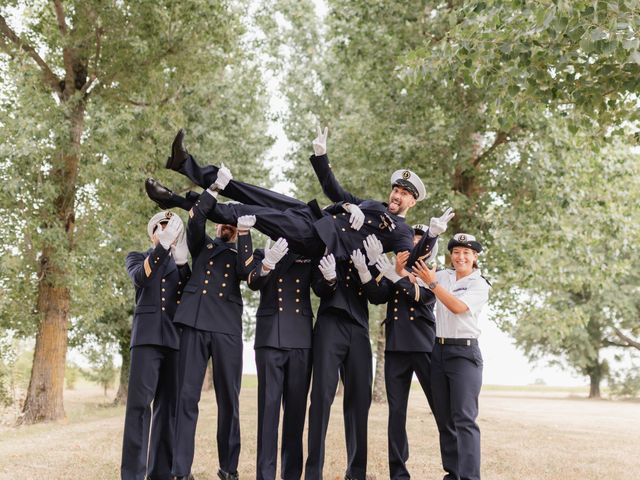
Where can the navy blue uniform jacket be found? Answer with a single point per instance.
(410, 322)
(158, 282)
(346, 293)
(284, 318)
(211, 300)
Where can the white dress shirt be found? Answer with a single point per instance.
(473, 290)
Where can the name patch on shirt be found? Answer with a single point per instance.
(459, 289)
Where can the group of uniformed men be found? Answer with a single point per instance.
(184, 316)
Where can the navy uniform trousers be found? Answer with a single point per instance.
(197, 346)
(456, 379)
(340, 345)
(283, 358)
(283, 380)
(153, 377)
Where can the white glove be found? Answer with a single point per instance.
(223, 179)
(388, 268)
(357, 217)
(373, 247)
(180, 250)
(438, 225)
(328, 267)
(274, 254)
(171, 231)
(360, 262)
(245, 222)
(320, 142)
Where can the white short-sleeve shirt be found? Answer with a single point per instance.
(473, 290)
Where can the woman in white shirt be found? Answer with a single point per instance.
(456, 361)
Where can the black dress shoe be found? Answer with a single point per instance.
(160, 194)
(227, 476)
(178, 153)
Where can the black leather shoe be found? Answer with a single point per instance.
(178, 153)
(222, 475)
(160, 194)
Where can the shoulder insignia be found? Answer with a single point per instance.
(248, 262)
(147, 267)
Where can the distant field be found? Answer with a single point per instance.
(528, 433)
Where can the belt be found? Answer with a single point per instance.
(466, 342)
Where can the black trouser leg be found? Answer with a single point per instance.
(463, 368)
(397, 376)
(194, 354)
(330, 344)
(270, 367)
(358, 378)
(295, 225)
(144, 372)
(236, 190)
(441, 395)
(421, 364)
(164, 415)
(296, 388)
(227, 376)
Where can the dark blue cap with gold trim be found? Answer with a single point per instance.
(464, 240)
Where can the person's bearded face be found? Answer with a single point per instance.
(227, 233)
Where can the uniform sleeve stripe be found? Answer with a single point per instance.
(191, 213)
(248, 262)
(147, 267)
(417, 298)
(378, 278)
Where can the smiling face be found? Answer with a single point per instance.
(227, 233)
(463, 259)
(400, 200)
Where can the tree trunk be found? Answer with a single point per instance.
(44, 397)
(594, 385)
(379, 389)
(125, 353)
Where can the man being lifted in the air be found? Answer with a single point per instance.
(339, 229)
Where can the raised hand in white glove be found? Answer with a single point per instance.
(223, 179)
(180, 250)
(169, 234)
(274, 254)
(438, 225)
(373, 247)
(360, 262)
(388, 268)
(320, 142)
(357, 217)
(245, 222)
(328, 267)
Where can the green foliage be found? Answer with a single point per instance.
(520, 115)
(102, 371)
(71, 374)
(625, 383)
(159, 66)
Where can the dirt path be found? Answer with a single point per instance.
(524, 436)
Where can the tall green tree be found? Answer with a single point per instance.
(93, 93)
(468, 94)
